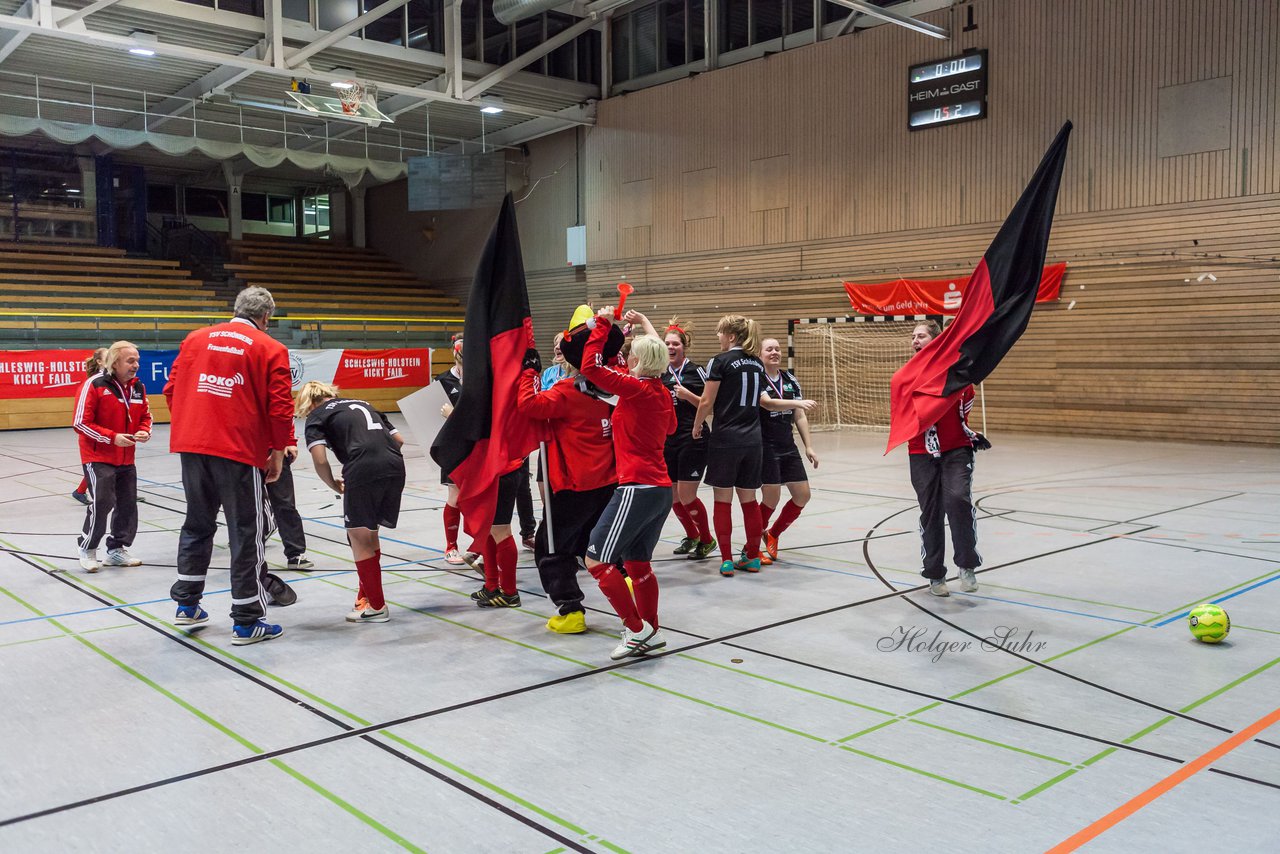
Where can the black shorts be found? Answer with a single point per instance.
(372, 503)
(505, 507)
(782, 465)
(631, 524)
(734, 467)
(686, 458)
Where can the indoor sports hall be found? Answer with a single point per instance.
(844, 174)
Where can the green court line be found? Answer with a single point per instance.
(1211, 596)
(1053, 781)
(60, 637)
(1147, 730)
(222, 728)
(999, 744)
(923, 773)
(869, 729)
(744, 672)
(721, 708)
(1254, 629)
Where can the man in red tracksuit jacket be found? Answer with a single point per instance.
(111, 415)
(230, 397)
(580, 471)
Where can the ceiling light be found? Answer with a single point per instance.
(143, 40)
(492, 106)
(346, 74)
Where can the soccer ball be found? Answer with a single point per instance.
(1208, 623)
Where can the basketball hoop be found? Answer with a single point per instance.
(352, 94)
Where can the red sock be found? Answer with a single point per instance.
(645, 588)
(452, 521)
(490, 553)
(724, 528)
(682, 513)
(84, 486)
(790, 511)
(765, 513)
(370, 572)
(507, 555)
(698, 513)
(615, 590)
(751, 521)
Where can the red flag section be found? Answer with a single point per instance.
(996, 308)
(486, 437)
(933, 296)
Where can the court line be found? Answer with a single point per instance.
(1178, 777)
(1175, 618)
(349, 730)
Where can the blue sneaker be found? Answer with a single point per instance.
(190, 615)
(255, 632)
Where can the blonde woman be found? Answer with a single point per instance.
(372, 481)
(735, 380)
(631, 523)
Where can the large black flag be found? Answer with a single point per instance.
(486, 437)
(996, 309)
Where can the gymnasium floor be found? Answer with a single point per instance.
(785, 715)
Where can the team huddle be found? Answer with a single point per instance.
(633, 427)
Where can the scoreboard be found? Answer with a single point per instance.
(947, 91)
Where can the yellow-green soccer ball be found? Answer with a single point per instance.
(1209, 623)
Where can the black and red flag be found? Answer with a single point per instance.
(996, 309)
(486, 437)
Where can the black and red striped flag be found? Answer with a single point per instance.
(996, 309)
(485, 437)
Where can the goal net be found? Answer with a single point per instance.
(846, 363)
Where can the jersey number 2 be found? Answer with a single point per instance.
(368, 416)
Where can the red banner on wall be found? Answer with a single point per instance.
(383, 369)
(933, 296)
(41, 373)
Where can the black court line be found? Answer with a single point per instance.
(364, 731)
(866, 553)
(294, 700)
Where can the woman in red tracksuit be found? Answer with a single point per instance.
(579, 464)
(111, 416)
(631, 524)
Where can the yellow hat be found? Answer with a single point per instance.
(581, 315)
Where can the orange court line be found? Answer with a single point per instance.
(1127, 809)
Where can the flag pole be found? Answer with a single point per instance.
(982, 394)
(545, 470)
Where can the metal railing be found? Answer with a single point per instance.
(168, 329)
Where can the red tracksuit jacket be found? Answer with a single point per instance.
(642, 420)
(952, 430)
(230, 394)
(104, 408)
(580, 452)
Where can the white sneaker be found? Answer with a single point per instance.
(369, 615)
(968, 580)
(938, 587)
(454, 557)
(121, 557)
(89, 560)
(633, 643)
(473, 560)
(656, 641)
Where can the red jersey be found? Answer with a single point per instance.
(642, 420)
(230, 394)
(952, 430)
(105, 407)
(580, 452)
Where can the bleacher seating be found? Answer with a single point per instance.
(78, 295)
(347, 294)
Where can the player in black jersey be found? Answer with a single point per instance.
(735, 381)
(781, 405)
(368, 446)
(686, 456)
(451, 382)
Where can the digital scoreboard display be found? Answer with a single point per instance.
(947, 91)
